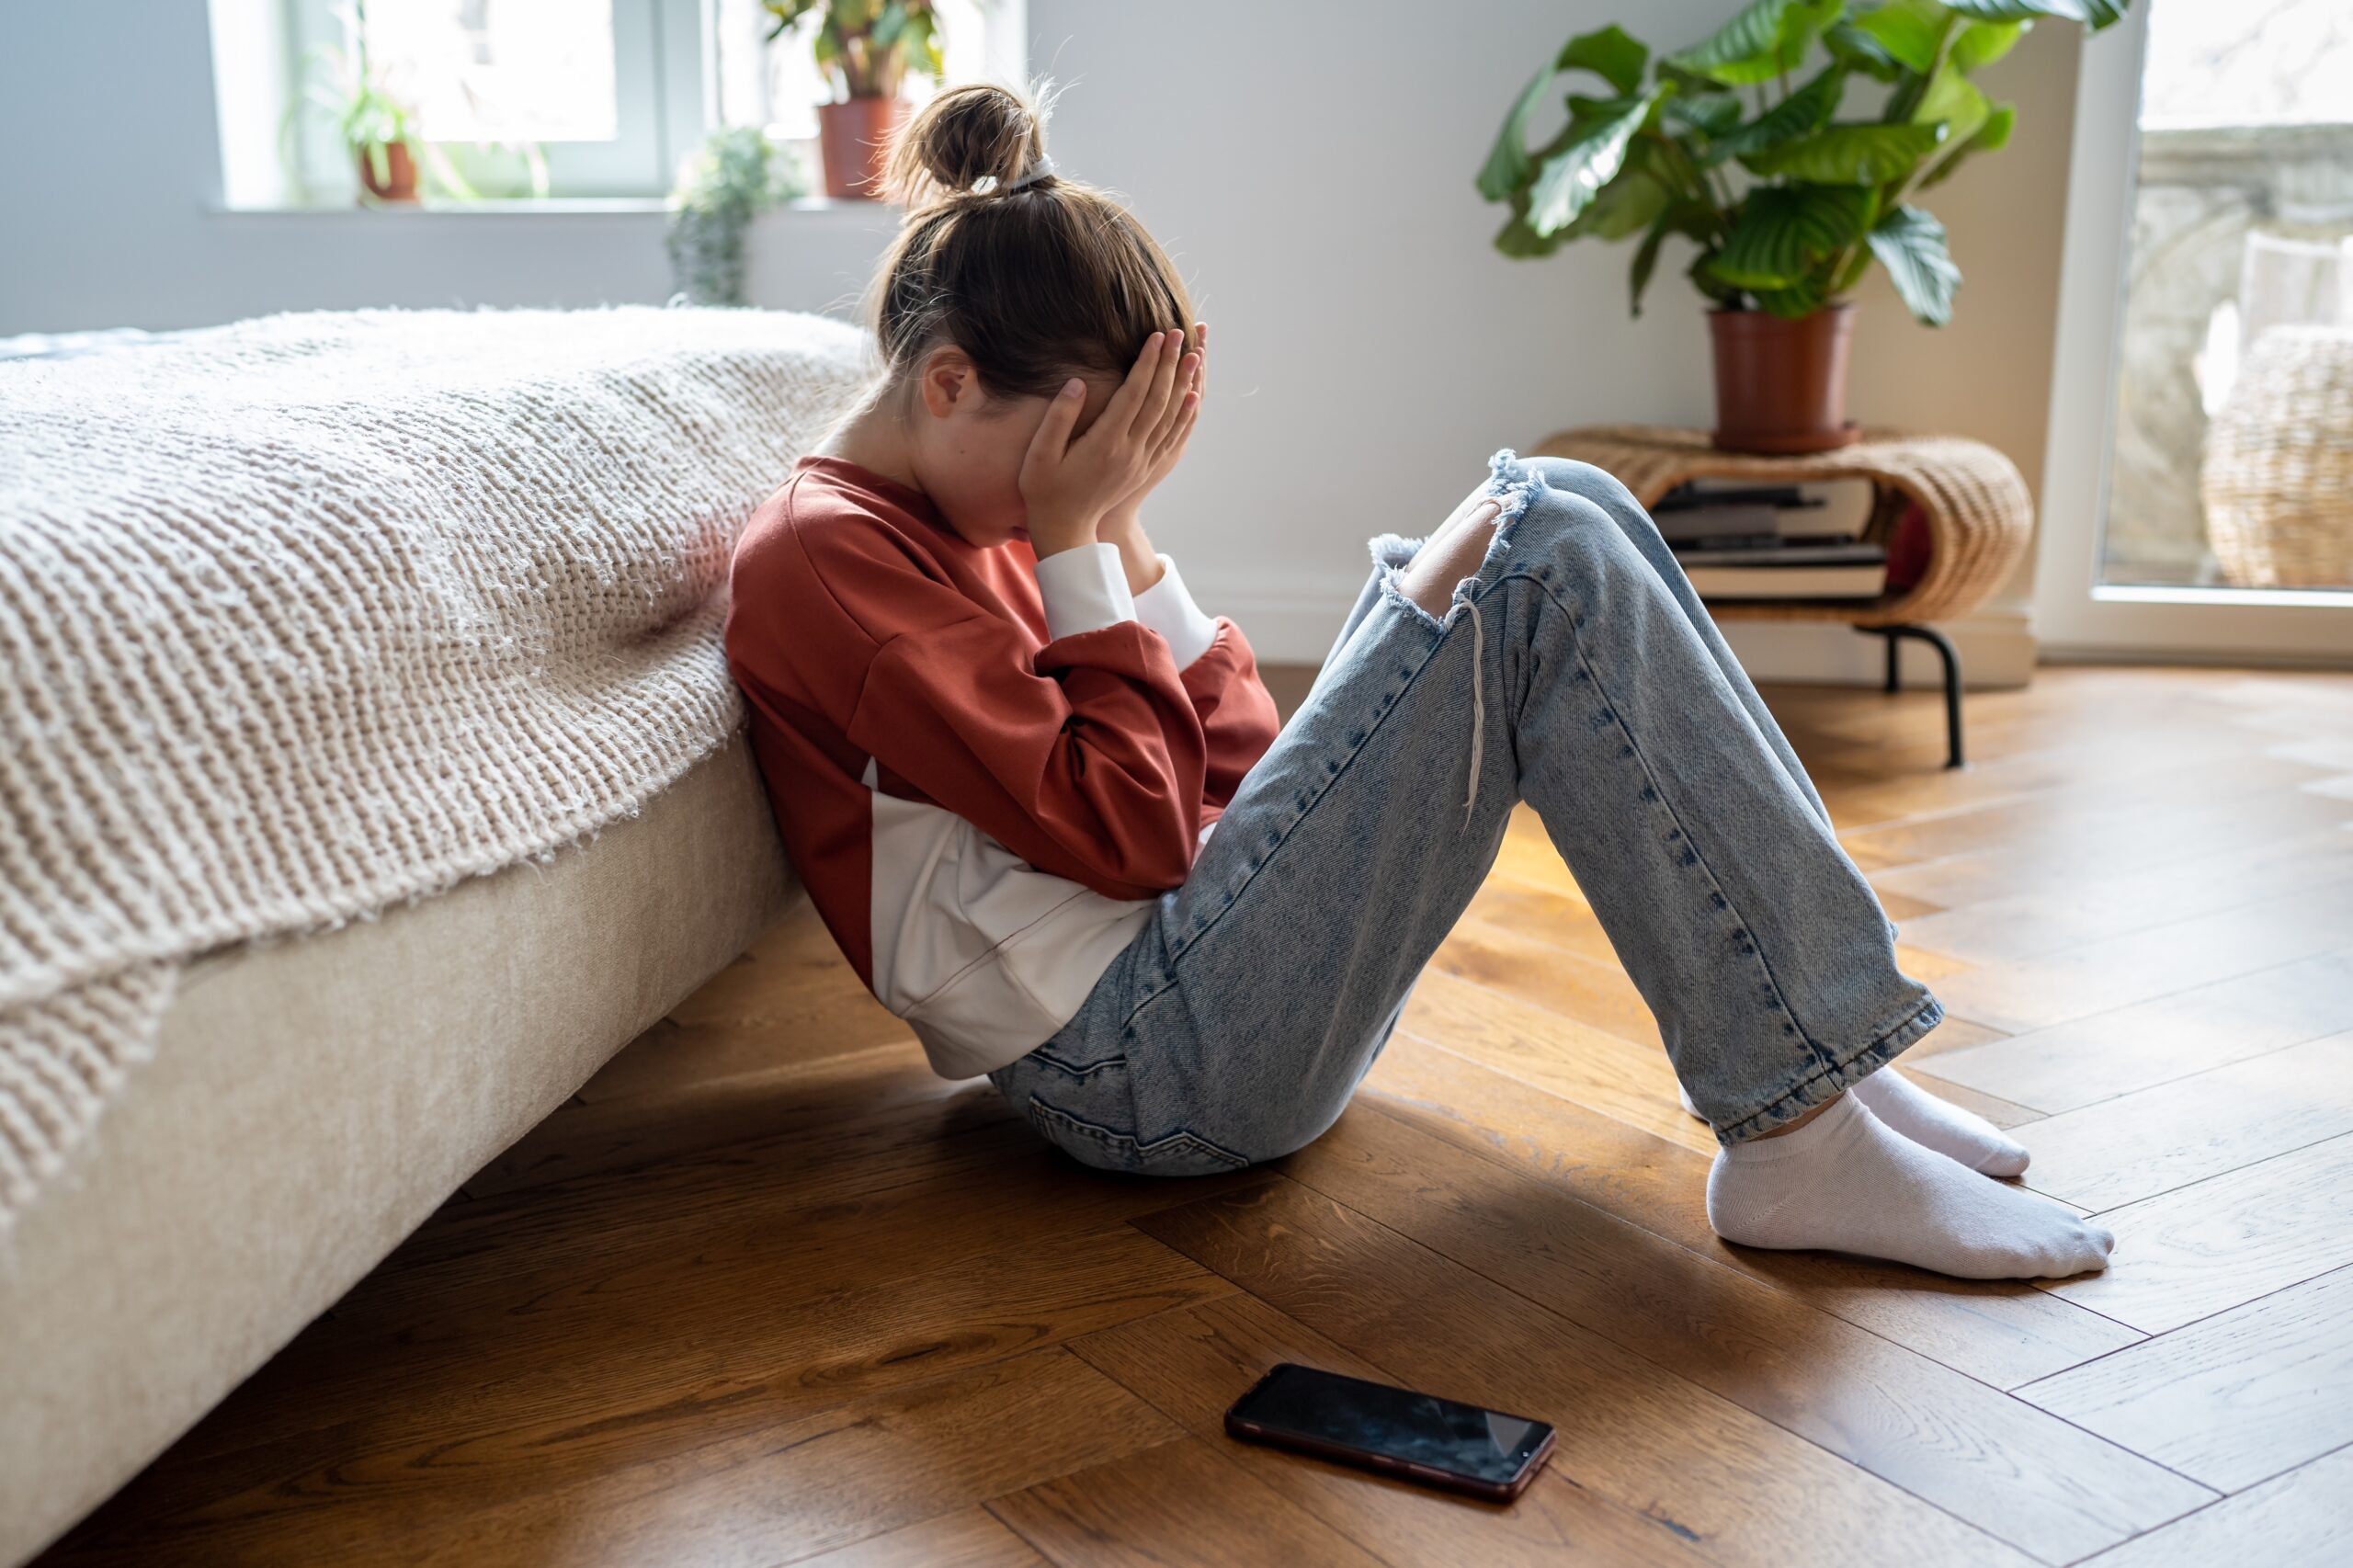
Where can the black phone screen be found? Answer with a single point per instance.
(1416, 1428)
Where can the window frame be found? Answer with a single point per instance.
(662, 83)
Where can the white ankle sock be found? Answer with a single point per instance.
(1847, 1182)
(1931, 1123)
(1940, 1124)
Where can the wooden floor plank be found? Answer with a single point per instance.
(1982, 1456)
(800, 1306)
(749, 1493)
(2230, 1400)
(2077, 1063)
(2075, 911)
(2000, 1332)
(2305, 1516)
(1177, 1504)
(2121, 813)
(1998, 869)
(1992, 1107)
(1746, 1491)
(2202, 1249)
(969, 1538)
(841, 1107)
(1626, 1079)
(2141, 1145)
(791, 991)
(1521, 962)
(1192, 1364)
(2164, 960)
(466, 1423)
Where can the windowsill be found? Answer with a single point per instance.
(549, 207)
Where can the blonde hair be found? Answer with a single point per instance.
(1034, 284)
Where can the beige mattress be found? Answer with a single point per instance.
(311, 1102)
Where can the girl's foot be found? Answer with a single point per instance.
(1930, 1122)
(1940, 1124)
(1848, 1182)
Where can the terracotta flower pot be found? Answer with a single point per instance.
(399, 183)
(1781, 384)
(854, 137)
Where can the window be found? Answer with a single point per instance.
(521, 98)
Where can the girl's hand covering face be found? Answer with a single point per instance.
(1068, 486)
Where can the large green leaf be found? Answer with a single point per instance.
(1953, 100)
(1764, 40)
(2084, 11)
(1801, 113)
(1507, 164)
(1910, 31)
(1982, 44)
(1802, 299)
(1689, 218)
(1990, 137)
(1626, 204)
(1860, 52)
(1608, 54)
(1850, 154)
(1780, 231)
(1910, 246)
(1519, 242)
(1568, 180)
(1709, 113)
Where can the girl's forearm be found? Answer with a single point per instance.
(1123, 527)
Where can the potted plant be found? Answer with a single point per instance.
(1786, 203)
(730, 181)
(378, 128)
(866, 47)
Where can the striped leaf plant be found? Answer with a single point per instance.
(1738, 144)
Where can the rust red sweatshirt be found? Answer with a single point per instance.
(985, 765)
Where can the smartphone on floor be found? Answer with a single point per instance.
(1418, 1437)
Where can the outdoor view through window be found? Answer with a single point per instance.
(2234, 437)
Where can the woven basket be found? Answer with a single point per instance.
(2278, 479)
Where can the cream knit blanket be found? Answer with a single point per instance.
(310, 615)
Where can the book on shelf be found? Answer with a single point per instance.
(1803, 540)
(1850, 579)
(1710, 512)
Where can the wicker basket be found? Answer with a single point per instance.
(2278, 479)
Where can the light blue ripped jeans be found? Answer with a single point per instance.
(1575, 670)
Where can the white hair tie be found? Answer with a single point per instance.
(1031, 176)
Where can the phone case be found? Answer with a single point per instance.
(1367, 1459)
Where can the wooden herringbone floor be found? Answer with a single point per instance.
(769, 1291)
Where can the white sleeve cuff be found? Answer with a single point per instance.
(1169, 609)
(1084, 589)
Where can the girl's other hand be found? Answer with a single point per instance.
(1067, 484)
(1193, 381)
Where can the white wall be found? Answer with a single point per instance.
(1310, 167)
(1309, 163)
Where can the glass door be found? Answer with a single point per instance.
(2199, 492)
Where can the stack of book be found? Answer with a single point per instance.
(1778, 541)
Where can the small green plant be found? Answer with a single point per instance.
(733, 179)
(1788, 204)
(368, 116)
(866, 47)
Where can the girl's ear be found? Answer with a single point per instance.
(949, 380)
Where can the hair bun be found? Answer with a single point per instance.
(975, 132)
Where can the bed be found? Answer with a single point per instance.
(267, 1081)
